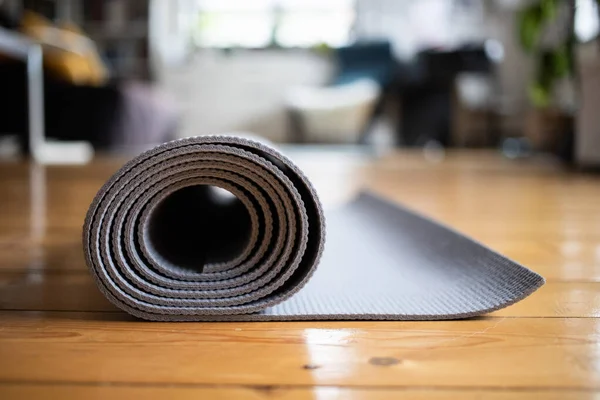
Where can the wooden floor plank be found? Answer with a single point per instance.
(558, 299)
(19, 391)
(500, 352)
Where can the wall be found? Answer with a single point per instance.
(244, 90)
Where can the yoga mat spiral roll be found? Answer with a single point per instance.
(227, 228)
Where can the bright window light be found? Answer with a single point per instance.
(286, 23)
(586, 20)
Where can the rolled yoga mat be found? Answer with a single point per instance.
(165, 242)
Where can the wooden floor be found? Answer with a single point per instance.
(60, 339)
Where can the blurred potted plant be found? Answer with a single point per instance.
(546, 33)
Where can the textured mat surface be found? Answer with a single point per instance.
(163, 243)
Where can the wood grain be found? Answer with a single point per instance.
(17, 391)
(505, 352)
(59, 338)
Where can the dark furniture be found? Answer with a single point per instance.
(108, 117)
(426, 87)
(71, 112)
(372, 60)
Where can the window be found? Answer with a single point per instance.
(586, 20)
(263, 23)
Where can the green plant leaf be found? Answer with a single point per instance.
(539, 95)
(530, 27)
(560, 63)
(549, 10)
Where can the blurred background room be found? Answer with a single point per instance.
(521, 76)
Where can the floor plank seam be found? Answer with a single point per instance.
(502, 388)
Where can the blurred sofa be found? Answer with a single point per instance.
(109, 116)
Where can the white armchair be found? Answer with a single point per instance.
(335, 114)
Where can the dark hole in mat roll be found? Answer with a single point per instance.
(164, 244)
(199, 225)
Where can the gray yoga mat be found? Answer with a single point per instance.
(163, 242)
